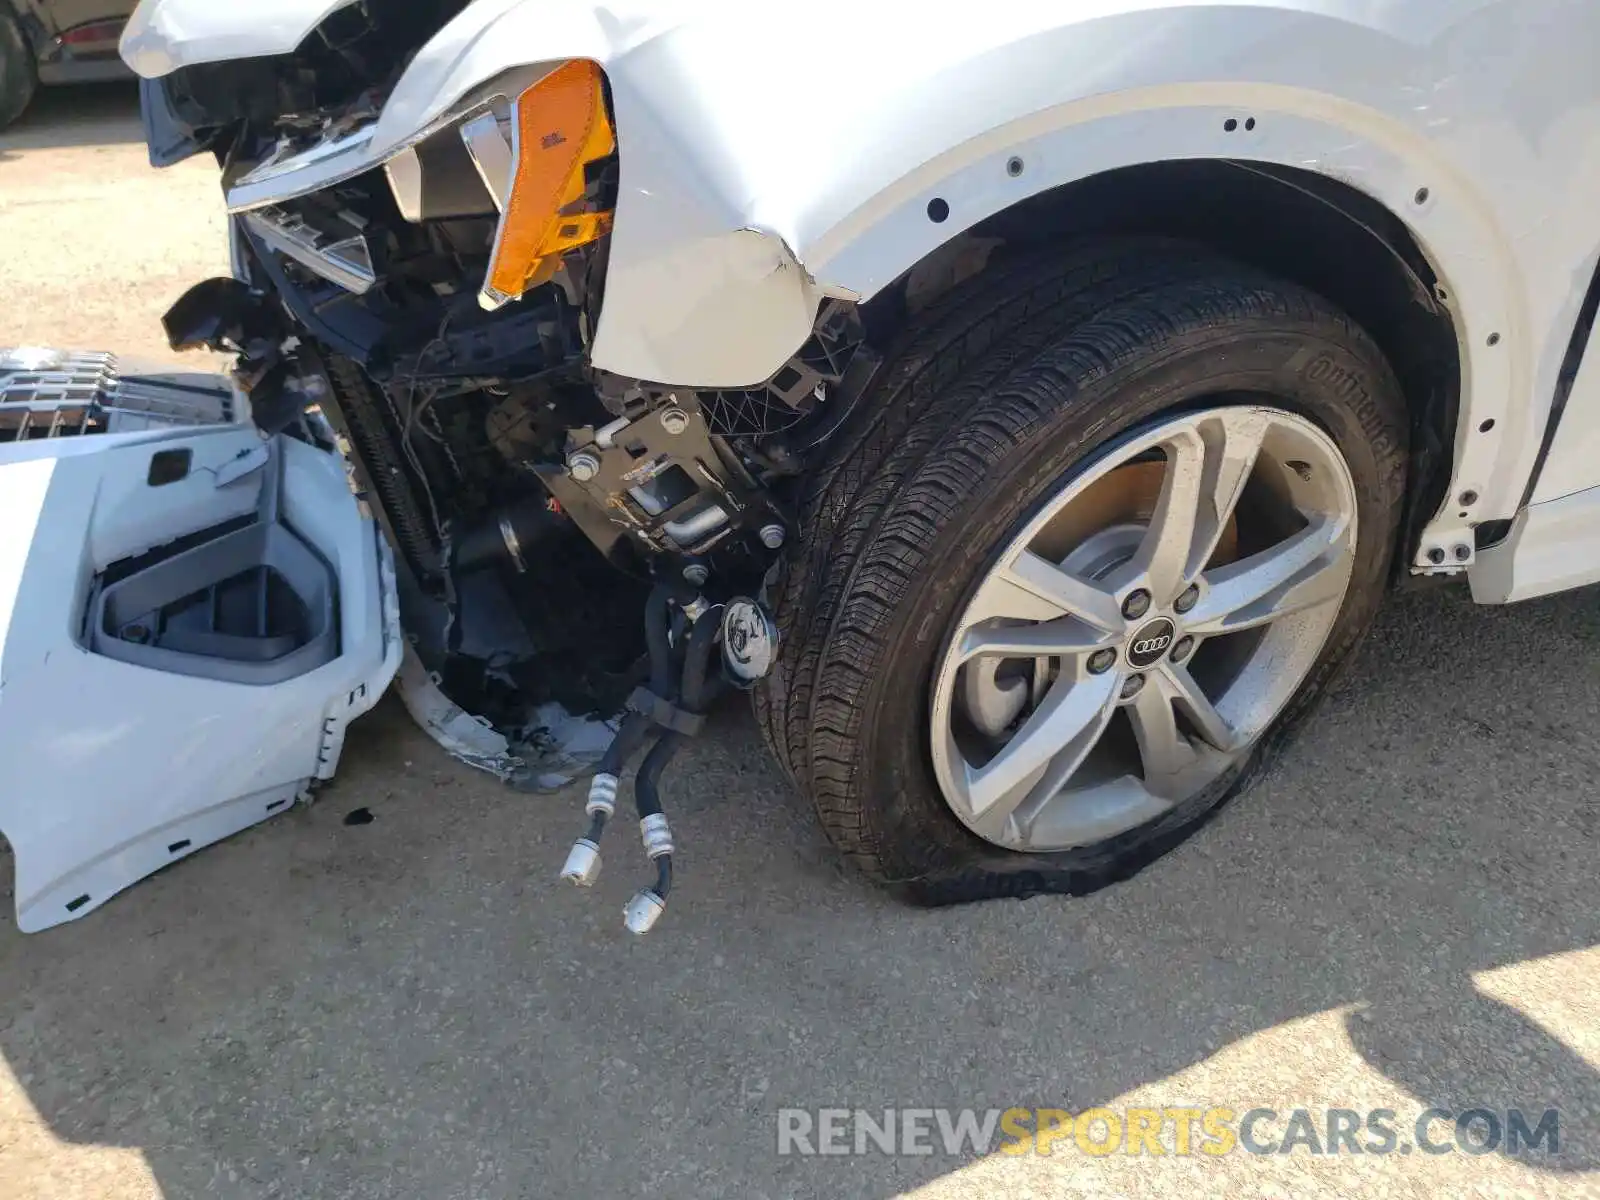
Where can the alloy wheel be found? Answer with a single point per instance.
(1137, 638)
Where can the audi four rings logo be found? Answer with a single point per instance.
(1150, 642)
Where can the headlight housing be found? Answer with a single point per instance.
(531, 144)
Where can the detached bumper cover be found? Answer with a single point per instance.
(115, 768)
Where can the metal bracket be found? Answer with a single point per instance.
(664, 713)
(660, 479)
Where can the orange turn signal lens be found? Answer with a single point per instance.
(560, 126)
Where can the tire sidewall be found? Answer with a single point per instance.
(1346, 389)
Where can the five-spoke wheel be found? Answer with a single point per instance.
(1127, 647)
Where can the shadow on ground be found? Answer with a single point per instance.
(92, 114)
(411, 1007)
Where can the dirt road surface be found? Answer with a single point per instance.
(1401, 917)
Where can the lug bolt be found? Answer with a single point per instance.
(674, 420)
(583, 466)
(1136, 605)
(1132, 686)
(1190, 597)
(1101, 661)
(1182, 649)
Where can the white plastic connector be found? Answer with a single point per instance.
(583, 864)
(656, 835)
(642, 912)
(602, 795)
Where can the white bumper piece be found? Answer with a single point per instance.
(190, 617)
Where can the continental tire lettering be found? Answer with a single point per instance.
(1326, 371)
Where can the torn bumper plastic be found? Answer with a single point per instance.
(190, 617)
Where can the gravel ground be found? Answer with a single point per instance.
(1398, 917)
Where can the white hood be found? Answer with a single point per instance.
(164, 35)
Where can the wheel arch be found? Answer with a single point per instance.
(1309, 229)
(1429, 260)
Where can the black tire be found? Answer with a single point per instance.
(19, 77)
(986, 405)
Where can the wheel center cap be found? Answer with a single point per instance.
(1150, 642)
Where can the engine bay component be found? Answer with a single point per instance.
(658, 481)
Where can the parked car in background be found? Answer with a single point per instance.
(57, 41)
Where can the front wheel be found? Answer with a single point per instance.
(1090, 575)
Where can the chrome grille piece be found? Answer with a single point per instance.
(58, 393)
(344, 260)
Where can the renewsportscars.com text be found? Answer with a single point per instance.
(1177, 1131)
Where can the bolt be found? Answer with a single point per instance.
(696, 574)
(1436, 556)
(772, 536)
(1181, 649)
(583, 466)
(1468, 498)
(1132, 686)
(1463, 552)
(674, 420)
(1101, 660)
(1190, 597)
(1136, 605)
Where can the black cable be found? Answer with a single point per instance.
(657, 622)
(685, 663)
(629, 737)
(414, 411)
(647, 800)
(646, 786)
(697, 663)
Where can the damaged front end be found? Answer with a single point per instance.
(574, 552)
